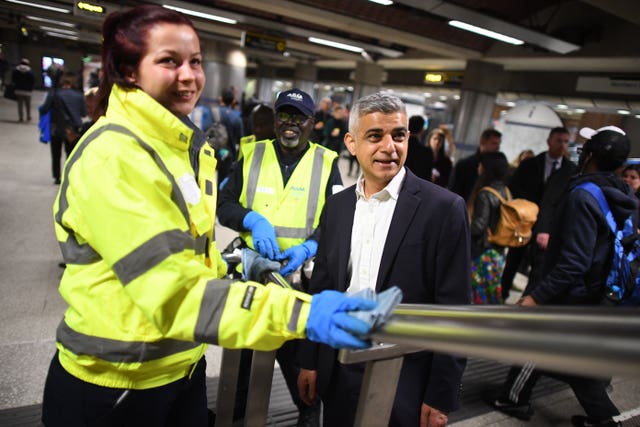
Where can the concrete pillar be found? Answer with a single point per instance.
(481, 83)
(224, 66)
(368, 78)
(266, 77)
(304, 77)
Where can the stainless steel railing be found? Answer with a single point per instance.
(593, 340)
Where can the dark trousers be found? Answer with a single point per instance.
(590, 392)
(57, 142)
(341, 397)
(515, 257)
(24, 104)
(70, 402)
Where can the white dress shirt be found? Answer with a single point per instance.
(371, 223)
(551, 164)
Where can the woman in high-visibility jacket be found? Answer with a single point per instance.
(135, 219)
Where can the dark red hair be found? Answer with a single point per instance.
(124, 42)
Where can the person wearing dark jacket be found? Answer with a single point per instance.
(67, 107)
(542, 180)
(487, 259)
(578, 263)
(465, 173)
(419, 157)
(23, 79)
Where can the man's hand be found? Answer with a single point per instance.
(263, 235)
(527, 301)
(307, 386)
(297, 255)
(431, 417)
(542, 239)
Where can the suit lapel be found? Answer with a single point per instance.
(345, 227)
(400, 223)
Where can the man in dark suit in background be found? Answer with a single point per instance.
(419, 157)
(541, 179)
(465, 173)
(390, 228)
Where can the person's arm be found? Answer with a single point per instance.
(151, 253)
(481, 215)
(452, 286)
(579, 233)
(230, 212)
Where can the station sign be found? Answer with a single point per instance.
(264, 42)
(92, 9)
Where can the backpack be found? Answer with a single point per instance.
(517, 217)
(217, 135)
(622, 286)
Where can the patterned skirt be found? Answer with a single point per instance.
(486, 273)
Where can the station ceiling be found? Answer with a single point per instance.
(590, 38)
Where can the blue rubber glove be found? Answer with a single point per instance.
(296, 255)
(387, 301)
(330, 324)
(263, 235)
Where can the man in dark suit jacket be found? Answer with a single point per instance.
(391, 228)
(541, 179)
(419, 157)
(465, 173)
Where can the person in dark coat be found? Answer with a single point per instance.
(542, 180)
(442, 164)
(390, 228)
(24, 81)
(577, 266)
(487, 259)
(465, 173)
(67, 106)
(419, 158)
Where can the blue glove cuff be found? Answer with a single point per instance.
(311, 246)
(251, 219)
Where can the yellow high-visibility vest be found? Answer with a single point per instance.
(294, 210)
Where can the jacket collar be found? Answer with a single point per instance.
(140, 111)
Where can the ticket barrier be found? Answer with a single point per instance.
(601, 341)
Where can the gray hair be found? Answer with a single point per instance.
(379, 102)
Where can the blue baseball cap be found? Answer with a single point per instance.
(296, 98)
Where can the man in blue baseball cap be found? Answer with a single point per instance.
(274, 198)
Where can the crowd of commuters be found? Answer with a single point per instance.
(141, 309)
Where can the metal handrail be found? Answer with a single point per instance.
(598, 341)
(601, 341)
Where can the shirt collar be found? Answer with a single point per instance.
(550, 159)
(392, 190)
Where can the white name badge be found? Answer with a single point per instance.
(265, 190)
(189, 188)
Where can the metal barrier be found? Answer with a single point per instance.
(600, 341)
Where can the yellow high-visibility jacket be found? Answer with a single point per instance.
(142, 278)
(293, 210)
(245, 140)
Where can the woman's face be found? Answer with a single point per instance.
(171, 69)
(632, 178)
(436, 141)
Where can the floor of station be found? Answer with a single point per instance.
(31, 308)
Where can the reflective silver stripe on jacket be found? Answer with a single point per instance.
(211, 308)
(149, 253)
(254, 173)
(312, 200)
(295, 315)
(119, 351)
